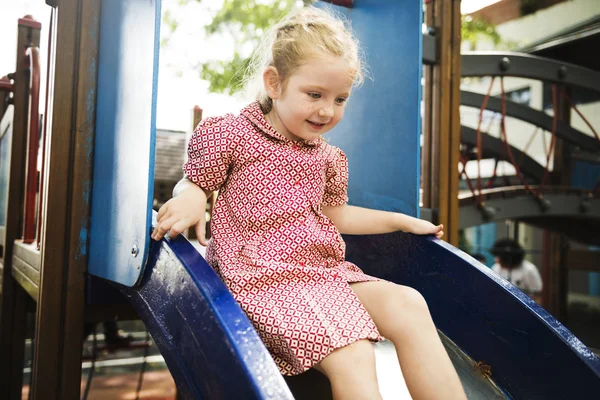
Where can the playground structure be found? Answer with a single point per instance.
(91, 212)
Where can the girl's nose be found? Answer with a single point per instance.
(326, 111)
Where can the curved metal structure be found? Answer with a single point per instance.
(528, 66)
(495, 148)
(535, 117)
(571, 211)
(516, 203)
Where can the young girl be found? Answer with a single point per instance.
(277, 221)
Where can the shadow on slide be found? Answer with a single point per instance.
(213, 352)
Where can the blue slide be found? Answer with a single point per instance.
(213, 351)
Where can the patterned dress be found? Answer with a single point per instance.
(279, 255)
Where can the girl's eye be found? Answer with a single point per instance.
(341, 100)
(315, 95)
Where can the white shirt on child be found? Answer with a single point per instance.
(524, 276)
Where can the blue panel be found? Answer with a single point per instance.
(484, 238)
(381, 127)
(209, 345)
(594, 283)
(531, 354)
(585, 175)
(124, 142)
(6, 127)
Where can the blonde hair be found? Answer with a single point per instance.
(306, 33)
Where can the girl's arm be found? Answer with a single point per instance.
(185, 209)
(364, 221)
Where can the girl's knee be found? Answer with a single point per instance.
(399, 302)
(411, 299)
(348, 360)
(406, 311)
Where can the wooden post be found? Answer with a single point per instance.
(14, 298)
(56, 370)
(555, 274)
(441, 125)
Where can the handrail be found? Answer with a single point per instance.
(476, 64)
(6, 85)
(29, 231)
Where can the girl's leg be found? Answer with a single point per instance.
(351, 372)
(401, 315)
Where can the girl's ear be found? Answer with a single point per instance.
(271, 82)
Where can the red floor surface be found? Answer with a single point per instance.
(157, 385)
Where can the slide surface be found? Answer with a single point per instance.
(213, 351)
(530, 354)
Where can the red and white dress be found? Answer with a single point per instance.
(279, 255)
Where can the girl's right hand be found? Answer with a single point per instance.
(179, 213)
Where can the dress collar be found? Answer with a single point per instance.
(255, 114)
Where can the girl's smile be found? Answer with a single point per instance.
(316, 126)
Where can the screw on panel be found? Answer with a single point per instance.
(585, 206)
(562, 72)
(135, 250)
(488, 213)
(544, 203)
(504, 64)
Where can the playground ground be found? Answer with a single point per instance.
(116, 375)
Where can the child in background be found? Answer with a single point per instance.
(281, 208)
(512, 266)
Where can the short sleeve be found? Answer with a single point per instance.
(496, 268)
(533, 279)
(336, 185)
(210, 153)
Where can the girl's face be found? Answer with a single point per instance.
(312, 100)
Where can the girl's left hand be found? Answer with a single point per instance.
(422, 227)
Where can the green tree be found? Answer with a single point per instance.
(473, 29)
(245, 21)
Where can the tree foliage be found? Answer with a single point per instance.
(245, 21)
(472, 29)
